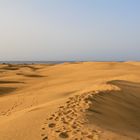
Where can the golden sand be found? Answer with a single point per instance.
(73, 101)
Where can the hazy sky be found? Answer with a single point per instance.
(70, 30)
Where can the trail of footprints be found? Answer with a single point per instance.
(16, 104)
(68, 122)
(11, 109)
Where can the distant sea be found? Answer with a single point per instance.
(47, 62)
(33, 62)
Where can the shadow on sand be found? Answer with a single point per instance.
(117, 111)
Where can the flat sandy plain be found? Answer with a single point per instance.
(72, 101)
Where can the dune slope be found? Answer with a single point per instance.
(118, 111)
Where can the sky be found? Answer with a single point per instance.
(69, 30)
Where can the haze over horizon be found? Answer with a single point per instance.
(101, 30)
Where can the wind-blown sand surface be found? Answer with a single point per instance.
(73, 101)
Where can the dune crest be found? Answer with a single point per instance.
(101, 87)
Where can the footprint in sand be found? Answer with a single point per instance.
(45, 138)
(63, 135)
(43, 128)
(51, 125)
(68, 122)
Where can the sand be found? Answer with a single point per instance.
(73, 101)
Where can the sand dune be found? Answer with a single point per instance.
(74, 101)
(117, 111)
